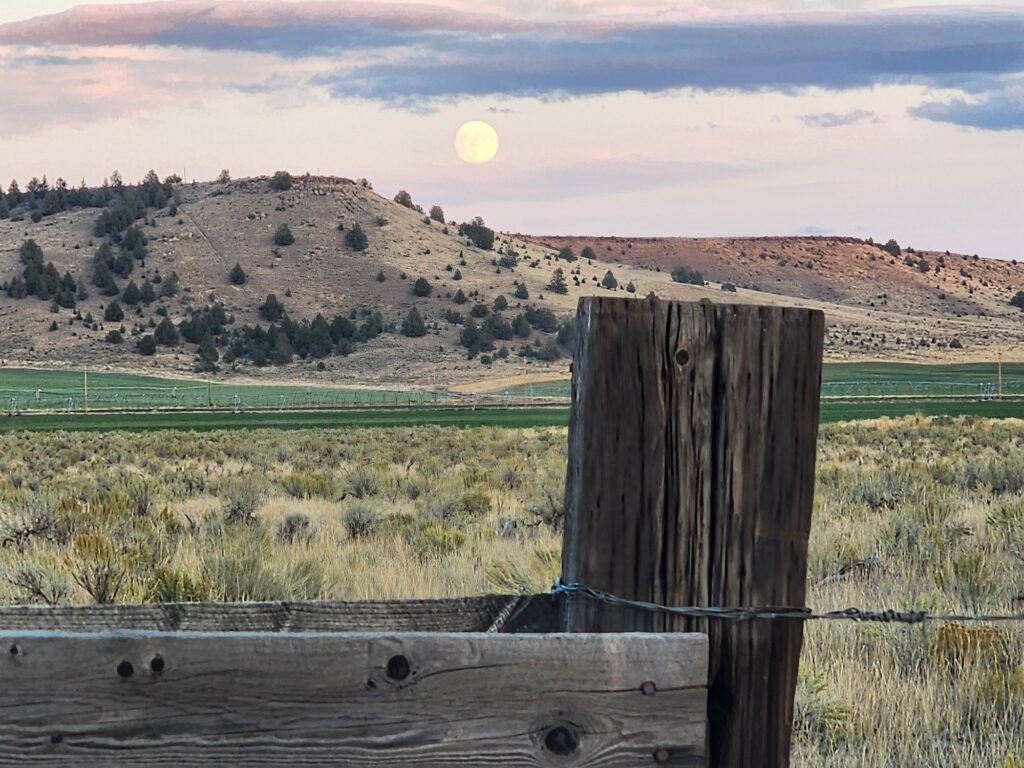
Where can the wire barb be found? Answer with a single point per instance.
(887, 616)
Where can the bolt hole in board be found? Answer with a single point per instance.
(106, 698)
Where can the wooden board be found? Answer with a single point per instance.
(690, 482)
(352, 699)
(489, 613)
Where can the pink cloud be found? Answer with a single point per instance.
(157, 22)
(54, 86)
(99, 24)
(147, 23)
(225, 23)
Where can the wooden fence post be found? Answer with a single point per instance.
(690, 482)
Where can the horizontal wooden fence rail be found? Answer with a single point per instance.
(489, 613)
(352, 699)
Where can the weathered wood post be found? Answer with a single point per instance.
(690, 482)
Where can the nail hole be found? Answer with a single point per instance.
(125, 669)
(561, 741)
(157, 664)
(398, 667)
(15, 649)
(662, 755)
(648, 688)
(56, 738)
(682, 357)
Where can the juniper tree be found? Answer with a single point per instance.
(480, 235)
(113, 313)
(557, 282)
(165, 333)
(131, 294)
(281, 181)
(521, 326)
(271, 309)
(147, 345)
(207, 355)
(283, 236)
(355, 238)
(413, 325)
(282, 353)
(170, 285)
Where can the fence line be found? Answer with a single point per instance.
(748, 613)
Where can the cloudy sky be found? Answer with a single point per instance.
(643, 117)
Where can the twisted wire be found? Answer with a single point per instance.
(749, 613)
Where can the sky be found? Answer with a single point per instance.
(867, 118)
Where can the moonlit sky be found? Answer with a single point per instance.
(650, 117)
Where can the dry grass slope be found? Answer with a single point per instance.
(913, 315)
(878, 305)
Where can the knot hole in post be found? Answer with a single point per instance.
(682, 357)
(562, 740)
(125, 669)
(398, 667)
(157, 664)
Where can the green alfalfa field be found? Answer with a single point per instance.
(36, 400)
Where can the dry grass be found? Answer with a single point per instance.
(926, 514)
(268, 515)
(910, 513)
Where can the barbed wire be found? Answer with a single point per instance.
(887, 616)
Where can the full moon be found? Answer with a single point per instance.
(476, 142)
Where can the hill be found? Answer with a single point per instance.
(906, 306)
(929, 305)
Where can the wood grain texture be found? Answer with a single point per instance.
(690, 482)
(459, 614)
(351, 699)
